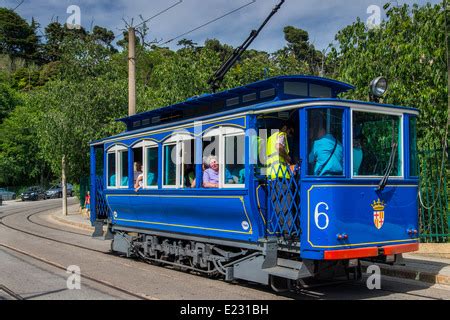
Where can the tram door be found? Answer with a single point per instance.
(282, 181)
(99, 207)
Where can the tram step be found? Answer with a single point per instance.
(98, 231)
(289, 269)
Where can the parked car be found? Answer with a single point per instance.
(7, 195)
(56, 191)
(33, 194)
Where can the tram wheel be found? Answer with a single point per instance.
(280, 285)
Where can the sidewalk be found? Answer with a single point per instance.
(430, 265)
(74, 219)
(420, 268)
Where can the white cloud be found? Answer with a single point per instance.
(321, 18)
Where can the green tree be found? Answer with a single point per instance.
(300, 49)
(56, 34)
(9, 99)
(76, 114)
(17, 38)
(409, 49)
(21, 161)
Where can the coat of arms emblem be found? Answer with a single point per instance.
(378, 213)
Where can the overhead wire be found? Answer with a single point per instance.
(21, 2)
(210, 22)
(154, 16)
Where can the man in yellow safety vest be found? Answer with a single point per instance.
(278, 158)
(279, 172)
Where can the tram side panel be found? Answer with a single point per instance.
(340, 219)
(227, 217)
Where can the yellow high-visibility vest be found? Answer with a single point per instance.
(276, 164)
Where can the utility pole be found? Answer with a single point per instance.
(64, 185)
(131, 71)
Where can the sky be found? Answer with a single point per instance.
(321, 18)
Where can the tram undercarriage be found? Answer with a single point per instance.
(270, 262)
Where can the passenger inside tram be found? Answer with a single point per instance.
(235, 159)
(112, 180)
(326, 152)
(211, 174)
(137, 170)
(270, 126)
(189, 176)
(189, 164)
(357, 154)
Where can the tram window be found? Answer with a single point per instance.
(211, 153)
(112, 169)
(413, 155)
(179, 163)
(234, 159)
(224, 158)
(123, 168)
(152, 164)
(170, 165)
(138, 161)
(325, 150)
(296, 88)
(317, 91)
(210, 147)
(373, 137)
(189, 163)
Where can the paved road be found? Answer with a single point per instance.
(35, 253)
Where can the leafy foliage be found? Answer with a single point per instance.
(17, 37)
(58, 96)
(409, 49)
(9, 99)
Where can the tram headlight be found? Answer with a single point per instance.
(378, 87)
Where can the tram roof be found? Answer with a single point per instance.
(272, 89)
(265, 106)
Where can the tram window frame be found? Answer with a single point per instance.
(401, 149)
(310, 144)
(177, 140)
(118, 151)
(108, 177)
(148, 146)
(222, 133)
(227, 185)
(145, 145)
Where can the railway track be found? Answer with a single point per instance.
(53, 228)
(2, 223)
(11, 293)
(58, 266)
(54, 264)
(29, 216)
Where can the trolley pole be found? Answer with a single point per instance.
(131, 71)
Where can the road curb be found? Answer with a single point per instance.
(72, 223)
(422, 276)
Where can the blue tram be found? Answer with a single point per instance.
(315, 219)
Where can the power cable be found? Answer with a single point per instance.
(154, 16)
(21, 2)
(210, 22)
